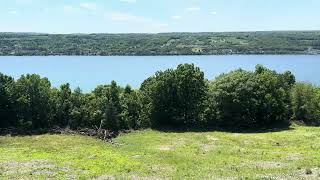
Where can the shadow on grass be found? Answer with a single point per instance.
(166, 129)
(22, 132)
(101, 134)
(229, 130)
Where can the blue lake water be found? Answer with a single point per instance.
(88, 72)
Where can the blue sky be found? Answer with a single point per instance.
(152, 16)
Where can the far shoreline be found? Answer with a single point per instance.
(195, 55)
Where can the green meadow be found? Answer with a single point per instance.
(150, 154)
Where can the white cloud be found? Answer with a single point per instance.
(88, 6)
(193, 9)
(120, 16)
(70, 9)
(213, 13)
(24, 1)
(46, 10)
(160, 25)
(13, 12)
(82, 8)
(176, 17)
(129, 1)
(135, 21)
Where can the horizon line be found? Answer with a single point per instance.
(175, 32)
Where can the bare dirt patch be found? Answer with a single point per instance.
(309, 173)
(302, 174)
(294, 157)
(207, 147)
(165, 148)
(104, 177)
(179, 142)
(164, 168)
(212, 138)
(172, 145)
(264, 164)
(34, 167)
(136, 156)
(147, 178)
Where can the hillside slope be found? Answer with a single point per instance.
(290, 42)
(149, 154)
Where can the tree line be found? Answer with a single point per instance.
(223, 43)
(174, 98)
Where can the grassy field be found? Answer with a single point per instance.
(149, 154)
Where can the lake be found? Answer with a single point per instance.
(88, 72)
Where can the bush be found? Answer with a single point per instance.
(62, 105)
(242, 99)
(174, 97)
(33, 102)
(7, 113)
(306, 103)
(130, 109)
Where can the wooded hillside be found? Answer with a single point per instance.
(161, 44)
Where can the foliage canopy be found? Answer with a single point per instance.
(174, 98)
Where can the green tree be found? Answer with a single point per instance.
(145, 97)
(318, 94)
(306, 104)
(99, 102)
(174, 97)
(96, 113)
(107, 98)
(33, 106)
(113, 110)
(191, 92)
(7, 112)
(64, 105)
(274, 94)
(130, 108)
(79, 115)
(242, 99)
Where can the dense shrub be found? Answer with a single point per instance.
(174, 97)
(243, 99)
(113, 107)
(7, 114)
(63, 105)
(129, 101)
(109, 107)
(80, 115)
(306, 103)
(32, 102)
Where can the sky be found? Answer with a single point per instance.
(154, 16)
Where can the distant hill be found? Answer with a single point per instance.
(224, 43)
